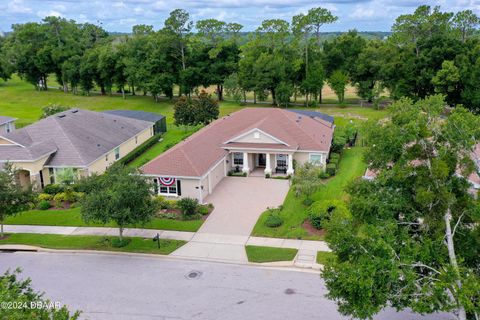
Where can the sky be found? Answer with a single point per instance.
(121, 15)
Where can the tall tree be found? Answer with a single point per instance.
(413, 238)
(120, 195)
(13, 198)
(465, 23)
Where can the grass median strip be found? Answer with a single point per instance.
(101, 243)
(324, 256)
(72, 218)
(269, 254)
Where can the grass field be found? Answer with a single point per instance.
(269, 254)
(53, 241)
(294, 212)
(72, 218)
(19, 99)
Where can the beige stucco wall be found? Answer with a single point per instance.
(216, 175)
(3, 127)
(102, 163)
(302, 157)
(262, 138)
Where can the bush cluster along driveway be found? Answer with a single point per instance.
(72, 218)
(294, 212)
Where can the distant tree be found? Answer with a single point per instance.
(233, 89)
(447, 81)
(13, 198)
(413, 238)
(52, 109)
(338, 82)
(120, 195)
(183, 112)
(366, 73)
(465, 23)
(284, 92)
(205, 108)
(20, 292)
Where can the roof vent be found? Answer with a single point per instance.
(74, 111)
(98, 145)
(61, 116)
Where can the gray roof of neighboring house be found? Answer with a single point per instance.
(4, 119)
(313, 114)
(136, 114)
(77, 137)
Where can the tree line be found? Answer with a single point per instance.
(428, 52)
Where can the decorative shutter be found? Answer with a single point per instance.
(179, 188)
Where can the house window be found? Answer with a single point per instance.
(8, 127)
(238, 159)
(169, 191)
(316, 158)
(117, 153)
(106, 157)
(256, 135)
(281, 160)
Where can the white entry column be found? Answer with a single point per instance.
(268, 168)
(245, 163)
(290, 164)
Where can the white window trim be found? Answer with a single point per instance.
(168, 194)
(320, 162)
(233, 159)
(286, 159)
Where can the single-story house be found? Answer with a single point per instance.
(7, 124)
(160, 122)
(81, 140)
(473, 178)
(264, 140)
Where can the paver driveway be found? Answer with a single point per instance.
(238, 204)
(240, 201)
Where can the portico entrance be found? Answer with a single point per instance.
(261, 160)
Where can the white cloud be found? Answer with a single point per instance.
(50, 13)
(18, 6)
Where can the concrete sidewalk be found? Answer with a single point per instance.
(202, 246)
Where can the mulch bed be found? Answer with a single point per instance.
(311, 230)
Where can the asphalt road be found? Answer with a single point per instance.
(127, 287)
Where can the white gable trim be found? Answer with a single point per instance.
(253, 130)
(13, 142)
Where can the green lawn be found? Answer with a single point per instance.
(53, 241)
(71, 217)
(294, 212)
(323, 256)
(269, 254)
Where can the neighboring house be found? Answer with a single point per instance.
(160, 123)
(84, 141)
(7, 124)
(265, 140)
(473, 178)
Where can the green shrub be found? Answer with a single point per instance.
(267, 176)
(320, 212)
(53, 189)
(44, 197)
(141, 149)
(188, 206)
(117, 243)
(203, 210)
(307, 202)
(44, 205)
(273, 220)
(324, 175)
(163, 203)
(331, 169)
(334, 161)
(334, 155)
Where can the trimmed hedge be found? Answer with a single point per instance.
(138, 151)
(331, 169)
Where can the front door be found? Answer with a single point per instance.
(262, 160)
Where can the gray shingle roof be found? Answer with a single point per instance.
(4, 119)
(313, 114)
(78, 136)
(137, 114)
